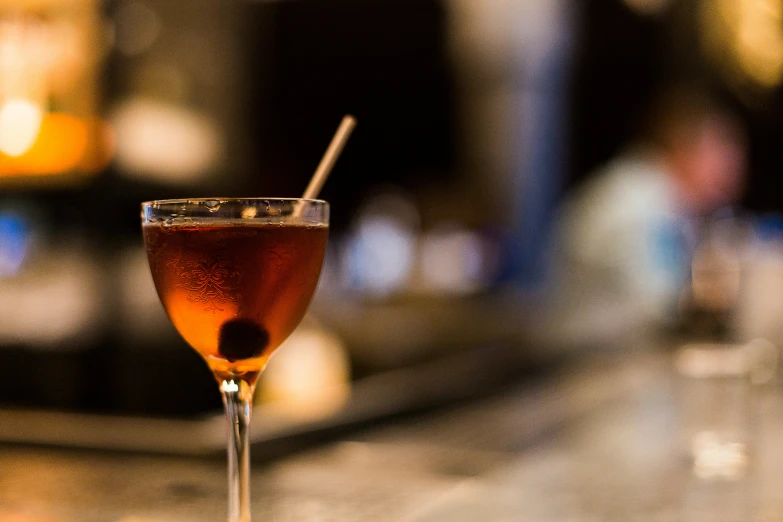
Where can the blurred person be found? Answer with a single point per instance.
(624, 240)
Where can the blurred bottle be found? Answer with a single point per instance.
(760, 306)
(709, 306)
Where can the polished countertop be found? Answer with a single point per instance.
(596, 440)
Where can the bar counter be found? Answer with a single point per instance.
(597, 440)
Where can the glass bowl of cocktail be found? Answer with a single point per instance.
(235, 276)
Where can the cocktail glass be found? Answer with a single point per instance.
(235, 277)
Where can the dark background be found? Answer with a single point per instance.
(301, 66)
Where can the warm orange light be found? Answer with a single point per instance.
(745, 39)
(49, 56)
(20, 123)
(64, 143)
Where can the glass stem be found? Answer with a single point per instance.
(237, 398)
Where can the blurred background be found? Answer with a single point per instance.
(479, 120)
(530, 181)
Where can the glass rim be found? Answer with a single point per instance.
(182, 201)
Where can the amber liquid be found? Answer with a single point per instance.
(235, 291)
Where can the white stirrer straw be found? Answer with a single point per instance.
(330, 157)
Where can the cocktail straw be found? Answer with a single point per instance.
(330, 157)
